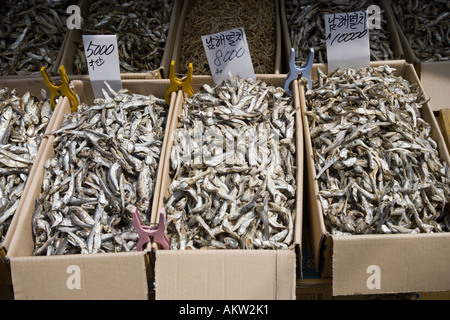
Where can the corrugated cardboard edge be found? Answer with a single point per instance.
(69, 49)
(329, 249)
(391, 25)
(107, 276)
(225, 275)
(180, 288)
(181, 26)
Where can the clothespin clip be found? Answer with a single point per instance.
(294, 71)
(176, 83)
(62, 90)
(146, 233)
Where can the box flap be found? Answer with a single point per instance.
(435, 79)
(80, 277)
(391, 264)
(220, 274)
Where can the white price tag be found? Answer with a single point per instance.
(228, 52)
(102, 59)
(347, 38)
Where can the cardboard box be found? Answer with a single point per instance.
(229, 274)
(395, 43)
(177, 50)
(407, 263)
(435, 79)
(70, 48)
(102, 276)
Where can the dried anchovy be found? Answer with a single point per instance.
(141, 26)
(105, 163)
(426, 25)
(31, 35)
(306, 25)
(239, 198)
(212, 16)
(378, 168)
(23, 121)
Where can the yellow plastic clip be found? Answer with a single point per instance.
(63, 89)
(176, 83)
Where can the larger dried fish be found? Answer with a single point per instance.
(31, 35)
(142, 28)
(23, 121)
(233, 169)
(426, 25)
(306, 25)
(257, 17)
(105, 163)
(378, 168)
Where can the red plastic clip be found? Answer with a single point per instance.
(147, 233)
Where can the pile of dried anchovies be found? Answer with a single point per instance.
(257, 17)
(105, 163)
(23, 121)
(378, 168)
(31, 35)
(233, 169)
(141, 26)
(306, 24)
(426, 25)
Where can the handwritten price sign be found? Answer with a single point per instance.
(228, 52)
(347, 40)
(103, 62)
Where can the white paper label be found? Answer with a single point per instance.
(102, 59)
(228, 52)
(347, 38)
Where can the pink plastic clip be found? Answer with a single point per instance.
(147, 232)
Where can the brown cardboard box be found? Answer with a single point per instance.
(395, 44)
(103, 276)
(229, 274)
(181, 26)
(73, 35)
(407, 263)
(435, 79)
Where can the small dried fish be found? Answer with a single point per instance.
(378, 168)
(23, 121)
(142, 28)
(306, 25)
(243, 197)
(212, 16)
(105, 163)
(426, 25)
